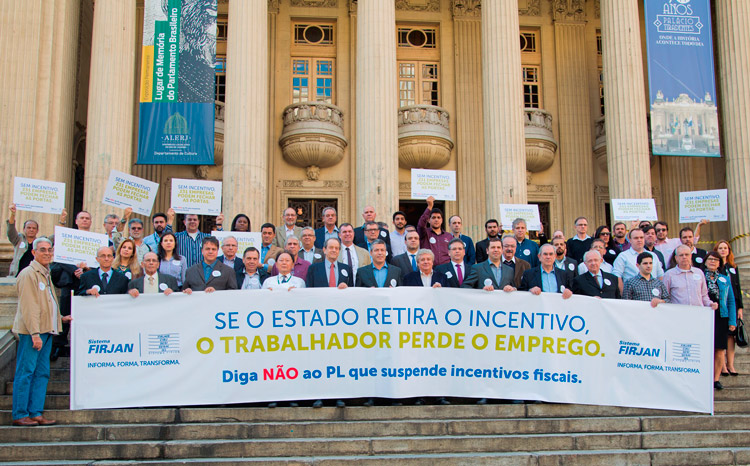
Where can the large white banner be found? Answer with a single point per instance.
(38, 195)
(75, 246)
(249, 346)
(697, 205)
(125, 190)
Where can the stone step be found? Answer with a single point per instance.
(355, 446)
(8, 288)
(54, 387)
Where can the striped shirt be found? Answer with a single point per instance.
(189, 248)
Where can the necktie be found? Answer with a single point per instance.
(599, 280)
(332, 277)
(460, 275)
(349, 257)
(413, 262)
(151, 281)
(104, 280)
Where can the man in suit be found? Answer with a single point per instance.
(351, 254)
(546, 277)
(562, 261)
(455, 224)
(492, 228)
(458, 269)
(698, 256)
(373, 232)
(330, 273)
(300, 266)
(252, 275)
(379, 274)
(289, 228)
(209, 275)
(426, 276)
(329, 228)
(308, 251)
(230, 257)
(361, 239)
(595, 282)
(152, 281)
(491, 274)
(268, 251)
(407, 262)
(102, 279)
(518, 265)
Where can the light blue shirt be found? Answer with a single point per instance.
(599, 278)
(335, 234)
(549, 282)
(380, 274)
(497, 272)
(108, 272)
(398, 243)
(625, 265)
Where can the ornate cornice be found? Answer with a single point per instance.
(352, 7)
(418, 5)
(532, 8)
(466, 8)
(597, 9)
(273, 6)
(569, 10)
(314, 3)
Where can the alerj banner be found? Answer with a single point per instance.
(682, 85)
(176, 119)
(262, 345)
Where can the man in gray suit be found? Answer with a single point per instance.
(152, 281)
(209, 275)
(388, 276)
(491, 274)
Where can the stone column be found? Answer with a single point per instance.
(733, 43)
(109, 136)
(504, 141)
(469, 134)
(377, 107)
(38, 69)
(576, 157)
(625, 98)
(246, 113)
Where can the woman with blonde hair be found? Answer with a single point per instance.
(730, 269)
(126, 260)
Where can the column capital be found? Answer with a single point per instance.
(569, 10)
(466, 8)
(273, 5)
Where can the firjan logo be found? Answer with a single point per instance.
(176, 124)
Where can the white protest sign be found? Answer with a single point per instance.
(634, 209)
(76, 246)
(125, 190)
(245, 239)
(253, 345)
(697, 205)
(440, 184)
(196, 197)
(38, 195)
(528, 212)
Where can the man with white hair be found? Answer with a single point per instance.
(687, 284)
(229, 248)
(37, 320)
(426, 276)
(595, 282)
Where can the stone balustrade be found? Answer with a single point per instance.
(540, 140)
(424, 137)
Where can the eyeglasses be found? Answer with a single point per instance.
(658, 230)
(136, 228)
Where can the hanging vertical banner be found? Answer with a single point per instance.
(176, 119)
(682, 84)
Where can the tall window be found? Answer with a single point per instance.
(220, 84)
(601, 70)
(313, 62)
(531, 64)
(418, 66)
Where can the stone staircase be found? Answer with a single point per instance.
(461, 434)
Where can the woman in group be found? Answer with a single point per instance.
(605, 234)
(126, 260)
(725, 320)
(170, 262)
(731, 270)
(241, 222)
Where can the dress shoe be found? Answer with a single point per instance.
(369, 403)
(43, 421)
(724, 374)
(718, 385)
(293, 404)
(273, 405)
(318, 404)
(482, 401)
(443, 401)
(340, 404)
(25, 422)
(734, 374)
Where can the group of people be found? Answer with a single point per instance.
(638, 263)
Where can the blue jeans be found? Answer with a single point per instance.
(32, 375)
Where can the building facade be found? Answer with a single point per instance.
(332, 102)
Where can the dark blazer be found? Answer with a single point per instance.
(450, 272)
(262, 275)
(415, 279)
(587, 285)
(170, 281)
(471, 252)
(320, 237)
(239, 266)
(572, 272)
(520, 267)
(533, 277)
(366, 276)
(403, 262)
(361, 241)
(227, 280)
(481, 250)
(64, 279)
(699, 254)
(117, 283)
(482, 271)
(317, 275)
